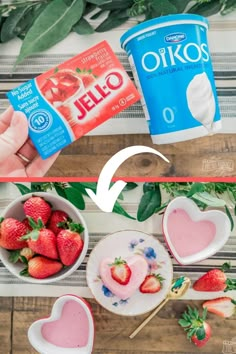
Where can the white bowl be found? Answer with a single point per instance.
(15, 210)
(217, 217)
(61, 321)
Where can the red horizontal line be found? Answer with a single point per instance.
(127, 179)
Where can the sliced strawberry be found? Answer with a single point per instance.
(120, 271)
(222, 306)
(151, 284)
(198, 330)
(215, 280)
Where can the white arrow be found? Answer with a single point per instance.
(105, 198)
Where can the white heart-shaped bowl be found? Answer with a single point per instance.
(40, 344)
(15, 210)
(217, 217)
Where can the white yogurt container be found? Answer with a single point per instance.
(172, 67)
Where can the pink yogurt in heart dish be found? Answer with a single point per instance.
(71, 330)
(187, 236)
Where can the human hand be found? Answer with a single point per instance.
(18, 156)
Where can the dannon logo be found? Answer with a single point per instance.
(175, 37)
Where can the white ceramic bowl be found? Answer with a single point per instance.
(65, 324)
(217, 217)
(15, 210)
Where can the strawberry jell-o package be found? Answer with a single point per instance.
(68, 101)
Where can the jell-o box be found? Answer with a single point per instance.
(73, 98)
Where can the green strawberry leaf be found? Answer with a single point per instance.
(76, 227)
(24, 260)
(14, 256)
(201, 333)
(204, 314)
(225, 267)
(184, 323)
(1, 219)
(25, 272)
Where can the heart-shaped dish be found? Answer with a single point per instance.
(191, 234)
(68, 330)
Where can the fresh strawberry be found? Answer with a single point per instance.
(222, 306)
(151, 284)
(11, 231)
(58, 221)
(37, 207)
(198, 330)
(120, 271)
(41, 240)
(26, 223)
(41, 267)
(70, 244)
(215, 280)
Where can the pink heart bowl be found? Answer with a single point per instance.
(191, 234)
(68, 330)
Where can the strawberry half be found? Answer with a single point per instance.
(222, 306)
(41, 267)
(11, 231)
(151, 284)
(198, 330)
(215, 280)
(120, 271)
(37, 208)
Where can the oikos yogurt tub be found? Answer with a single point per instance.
(172, 67)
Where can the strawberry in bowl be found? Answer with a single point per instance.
(30, 241)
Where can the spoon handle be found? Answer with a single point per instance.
(143, 324)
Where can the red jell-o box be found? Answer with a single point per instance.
(68, 101)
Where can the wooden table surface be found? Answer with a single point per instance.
(161, 335)
(211, 156)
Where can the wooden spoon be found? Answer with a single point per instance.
(178, 289)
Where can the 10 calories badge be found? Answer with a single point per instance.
(40, 121)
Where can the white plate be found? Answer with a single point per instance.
(124, 244)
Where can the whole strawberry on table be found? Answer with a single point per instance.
(45, 240)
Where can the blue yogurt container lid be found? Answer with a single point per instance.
(162, 21)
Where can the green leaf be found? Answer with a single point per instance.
(76, 227)
(22, 188)
(83, 27)
(180, 4)
(25, 272)
(228, 6)
(150, 201)
(148, 186)
(117, 5)
(230, 217)
(60, 190)
(11, 28)
(118, 209)
(204, 314)
(164, 7)
(206, 9)
(75, 197)
(209, 200)
(196, 188)
(184, 323)
(114, 19)
(98, 2)
(53, 25)
(130, 186)
(14, 256)
(81, 186)
(201, 333)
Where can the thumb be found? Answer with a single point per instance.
(14, 136)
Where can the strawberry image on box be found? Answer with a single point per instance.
(68, 101)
